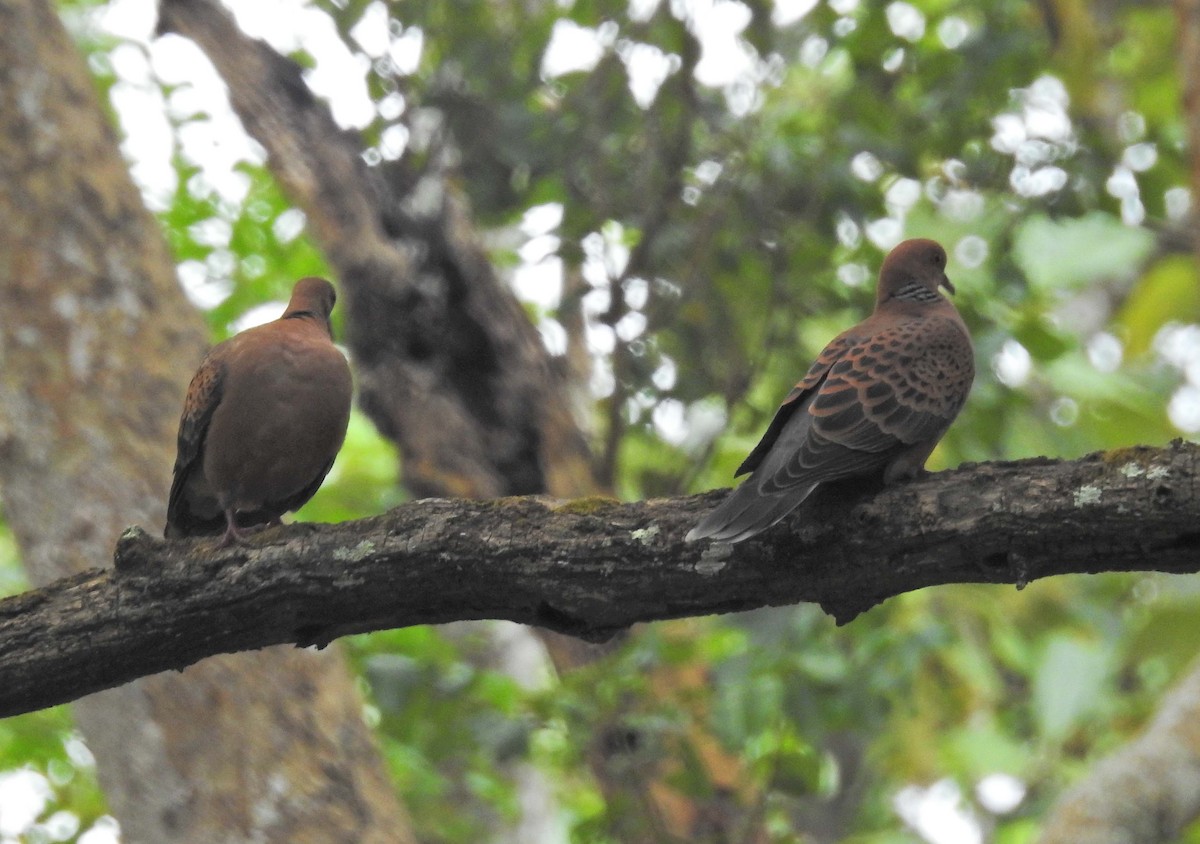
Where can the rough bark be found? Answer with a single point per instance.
(592, 567)
(97, 343)
(1146, 792)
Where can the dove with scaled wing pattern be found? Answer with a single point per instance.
(875, 403)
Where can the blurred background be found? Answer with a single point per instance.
(688, 199)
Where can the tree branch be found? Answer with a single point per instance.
(591, 567)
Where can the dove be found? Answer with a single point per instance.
(875, 403)
(264, 417)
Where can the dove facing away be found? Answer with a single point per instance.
(264, 417)
(875, 403)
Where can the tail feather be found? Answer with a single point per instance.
(748, 510)
(746, 513)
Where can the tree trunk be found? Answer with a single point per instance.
(1187, 13)
(1145, 793)
(448, 364)
(97, 343)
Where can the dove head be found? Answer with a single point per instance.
(912, 273)
(313, 298)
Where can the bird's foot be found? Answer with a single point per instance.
(235, 534)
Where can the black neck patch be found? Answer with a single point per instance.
(914, 292)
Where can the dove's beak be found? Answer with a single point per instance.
(946, 284)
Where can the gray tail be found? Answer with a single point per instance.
(747, 512)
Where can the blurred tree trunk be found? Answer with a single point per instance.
(1187, 13)
(446, 363)
(98, 342)
(449, 365)
(1148, 791)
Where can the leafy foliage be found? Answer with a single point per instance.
(713, 236)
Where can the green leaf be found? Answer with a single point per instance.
(797, 767)
(1068, 684)
(1070, 253)
(1166, 292)
(1039, 339)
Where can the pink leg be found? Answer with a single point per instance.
(233, 535)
